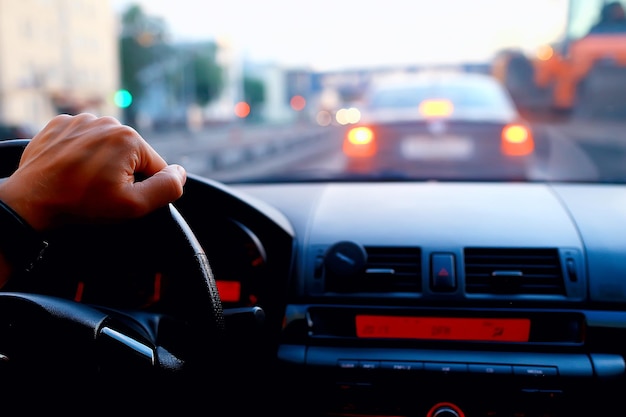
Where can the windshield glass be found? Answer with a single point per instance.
(244, 91)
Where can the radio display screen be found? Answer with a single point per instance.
(443, 328)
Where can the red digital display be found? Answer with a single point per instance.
(230, 291)
(443, 328)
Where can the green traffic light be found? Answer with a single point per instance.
(123, 98)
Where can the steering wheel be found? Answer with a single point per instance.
(58, 348)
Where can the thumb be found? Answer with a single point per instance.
(164, 187)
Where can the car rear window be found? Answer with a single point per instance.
(483, 95)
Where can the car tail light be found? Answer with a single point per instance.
(436, 108)
(517, 140)
(360, 142)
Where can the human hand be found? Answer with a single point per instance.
(83, 168)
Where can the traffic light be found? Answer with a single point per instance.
(123, 98)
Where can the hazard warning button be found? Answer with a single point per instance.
(442, 272)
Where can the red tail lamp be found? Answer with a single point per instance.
(517, 140)
(360, 142)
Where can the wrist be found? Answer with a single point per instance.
(12, 195)
(21, 245)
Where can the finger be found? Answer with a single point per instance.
(149, 161)
(157, 190)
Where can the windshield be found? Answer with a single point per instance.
(246, 91)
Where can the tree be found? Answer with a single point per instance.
(254, 95)
(184, 73)
(207, 74)
(142, 44)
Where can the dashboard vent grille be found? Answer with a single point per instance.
(391, 269)
(513, 271)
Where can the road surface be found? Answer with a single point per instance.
(582, 151)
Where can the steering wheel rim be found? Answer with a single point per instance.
(102, 326)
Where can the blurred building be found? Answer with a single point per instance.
(276, 101)
(237, 69)
(229, 60)
(57, 56)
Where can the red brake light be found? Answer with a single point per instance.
(517, 140)
(360, 135)
(436, 108)
(359, 142)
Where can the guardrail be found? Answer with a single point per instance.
(213, 150)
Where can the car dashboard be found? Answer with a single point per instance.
(432, 298)
(404, 298)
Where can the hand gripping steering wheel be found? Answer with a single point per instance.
(58, 352)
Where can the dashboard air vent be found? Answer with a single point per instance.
(386, 269)
(513, 271)
(391, 269)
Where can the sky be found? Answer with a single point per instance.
(341, 34)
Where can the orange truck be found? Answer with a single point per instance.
(583, 75)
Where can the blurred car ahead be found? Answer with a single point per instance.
(440, 125)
